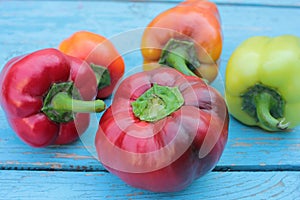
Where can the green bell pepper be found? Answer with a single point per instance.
(263, 82)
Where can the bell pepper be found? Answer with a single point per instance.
(101, 54)
(262, 82)
(187, 37)
(46, 96)
(163, 130)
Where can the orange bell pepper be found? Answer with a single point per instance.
(187, 37)
(101, 54)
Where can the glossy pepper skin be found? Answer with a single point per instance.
(262, 82)
(194, 21)
(25, 83)
(150, 144)
(96, 49)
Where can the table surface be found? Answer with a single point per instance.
(254, 165)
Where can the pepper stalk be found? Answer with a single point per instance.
(157, 103)
(266, 106)
(63, 100)
(181, 55)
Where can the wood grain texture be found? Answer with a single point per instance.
(254, 165)
(35, 25)
(292, 3)
(286, 3)
(100, 185)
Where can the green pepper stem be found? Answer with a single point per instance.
(180, 55)
(179, 63)
(64, 102)
(264, 102)
(157, 103)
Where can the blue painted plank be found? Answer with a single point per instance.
(286, 3)
(34, 25)
(100, 185)
(292, 3)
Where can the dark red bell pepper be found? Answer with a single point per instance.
(46, 96)
(163, 130)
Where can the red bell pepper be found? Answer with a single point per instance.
(163, 130)
(96, 49)
(42, 95)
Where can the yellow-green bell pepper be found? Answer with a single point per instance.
(262, 82)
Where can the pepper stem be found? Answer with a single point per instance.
(264, 102)
(62, 101)
(266, 106)
(180, 55)
(157, 103)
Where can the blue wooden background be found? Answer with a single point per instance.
(255, 164)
